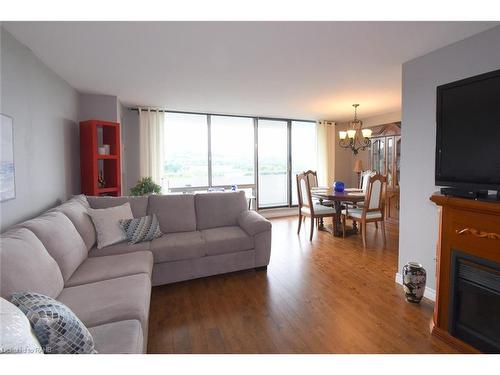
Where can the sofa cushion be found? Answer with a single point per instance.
(110, 300)
(76, 210)
(176, 213)
(56, 327)
(178, 246)
(119, 248)
(61, 239)
(219, 209)
(226, 240)
(139, 205)
(107, 224)
(25, 265)
(123, 337)
(112, 266)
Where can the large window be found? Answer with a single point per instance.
(303, 151)
(273, 163)
(204, 151)
(186, 151)
(232, 140)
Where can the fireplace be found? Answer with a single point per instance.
(474, 316)
(467, 308)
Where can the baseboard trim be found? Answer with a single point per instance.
(428, 293)
(270, 213)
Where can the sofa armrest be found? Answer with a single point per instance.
(253, 223)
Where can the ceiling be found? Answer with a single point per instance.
(303, 70)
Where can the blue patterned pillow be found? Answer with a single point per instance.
(141, 229)
(56, 327)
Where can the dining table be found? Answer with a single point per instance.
(349, 195)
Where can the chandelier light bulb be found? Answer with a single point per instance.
(354, 140)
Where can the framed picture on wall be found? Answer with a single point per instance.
(7, 170)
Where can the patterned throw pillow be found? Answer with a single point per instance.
(56, 327)
(140, 229)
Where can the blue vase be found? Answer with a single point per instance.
(338, 186)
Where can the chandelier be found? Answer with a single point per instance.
(355, 137)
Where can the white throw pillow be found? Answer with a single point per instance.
(107, 224)
(16, 334)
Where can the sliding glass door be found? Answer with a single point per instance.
(232, 140)
(186, 151)
(259, 155)
(303, 151)
(272, 163)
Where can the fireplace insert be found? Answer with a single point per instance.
(475, 301)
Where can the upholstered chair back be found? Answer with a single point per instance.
(363, 182)
(375, 192)
(304, 190)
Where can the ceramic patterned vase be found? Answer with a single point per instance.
(414, 278)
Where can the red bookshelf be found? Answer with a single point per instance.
(93, 134)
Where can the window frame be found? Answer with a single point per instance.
(291, 158)
(288, 162)
(255, 185)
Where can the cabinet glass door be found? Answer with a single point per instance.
(398, 159)
(390, 160)
(378, 155)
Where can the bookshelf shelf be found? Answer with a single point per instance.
(95, 133)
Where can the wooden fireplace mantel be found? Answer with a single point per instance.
(472, 227)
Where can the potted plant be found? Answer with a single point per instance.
(145, 186)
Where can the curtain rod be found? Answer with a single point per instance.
(146, 109)
(217, 114)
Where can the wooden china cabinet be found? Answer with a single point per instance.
(385, 156)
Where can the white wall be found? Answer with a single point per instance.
(98, 107)
(384, 118)
(46, 139)
(418, 216)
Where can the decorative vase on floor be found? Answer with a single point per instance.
(414, 277)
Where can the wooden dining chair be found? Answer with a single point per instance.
(373, 209)
(312, 177)
(307, 207)
(363, 185)
(363, 180)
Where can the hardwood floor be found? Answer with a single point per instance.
(324, 296)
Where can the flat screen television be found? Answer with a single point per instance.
(468, 133)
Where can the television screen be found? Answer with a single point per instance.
(468, 133)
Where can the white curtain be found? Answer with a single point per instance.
(325, 152)
(151, 145)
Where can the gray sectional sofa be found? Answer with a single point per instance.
(109, 289)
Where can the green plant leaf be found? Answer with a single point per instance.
(145, 186)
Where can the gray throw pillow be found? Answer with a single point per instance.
(56, 327)
(107, 223)
(141, 229)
